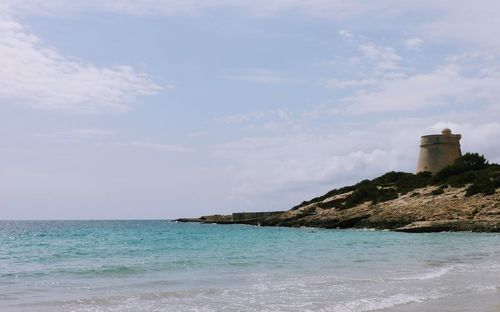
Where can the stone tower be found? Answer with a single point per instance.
(438, 151)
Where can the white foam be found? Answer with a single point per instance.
(379, 303)
(426, 275)
(483, 288)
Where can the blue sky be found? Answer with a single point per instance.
(163, 109)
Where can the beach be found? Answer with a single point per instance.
(168, 266)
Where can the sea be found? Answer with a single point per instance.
(161, 265)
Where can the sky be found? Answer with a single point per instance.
(161, 109)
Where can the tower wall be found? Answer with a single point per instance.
(438, 151)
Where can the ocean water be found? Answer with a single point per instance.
(168, 266)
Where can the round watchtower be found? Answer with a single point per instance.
(438, 151)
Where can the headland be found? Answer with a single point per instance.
(464, 196)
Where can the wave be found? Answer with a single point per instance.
(483, 288)
(379, 303)
(426, 275)
(107, 271)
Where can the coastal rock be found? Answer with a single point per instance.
(451, 225)
(336, 201)
(419, 211)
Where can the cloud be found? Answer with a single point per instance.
(161, 147)
(259, 75)
(275, 115)
(345, 33)
(299, 161)
(333, 8)
(305, 163)
(78, 134)
(37, 75)
(462, 81)
(410, 93)
(462, 21)
(466, 22)
(320, 111)
(385, 58)
(413, 43)
(349, 83)
(239, 118)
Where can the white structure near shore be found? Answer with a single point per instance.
(438, 151)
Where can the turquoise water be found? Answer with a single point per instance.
(168, 266)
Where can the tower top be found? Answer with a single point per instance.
(446, 131)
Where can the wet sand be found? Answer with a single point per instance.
(486, 301)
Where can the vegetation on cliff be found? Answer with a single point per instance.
(472, 170)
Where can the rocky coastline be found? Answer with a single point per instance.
(419, 211)
(422, 210)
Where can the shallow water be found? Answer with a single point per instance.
(167, 266)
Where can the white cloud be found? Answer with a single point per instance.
(275, 115)
(320, 111)
(349, 83)
(461, 20)
(259, 75)
(35, 74)
(77, 134)
(239, 118)
(305, 163)
(414, 92)
(345, 33)
(161, 147)
(280, 164)
(464, 80)
(413, 43)
(385, 58)
(333, 8)
(469, 22)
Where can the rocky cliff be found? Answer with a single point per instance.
(427, 209)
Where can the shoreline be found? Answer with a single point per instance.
(481, 301)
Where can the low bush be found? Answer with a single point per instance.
(468, 162)
(363, 193)
(439, 190)
(482, 185)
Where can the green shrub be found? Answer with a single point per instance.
(391, 177)
(331, 193)
(473, 161)
(497, 182)
(404, 182)
(469, 161)
(365, 192)
(439, 190)
(482, 185)
(385, 195)
(461, 179)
